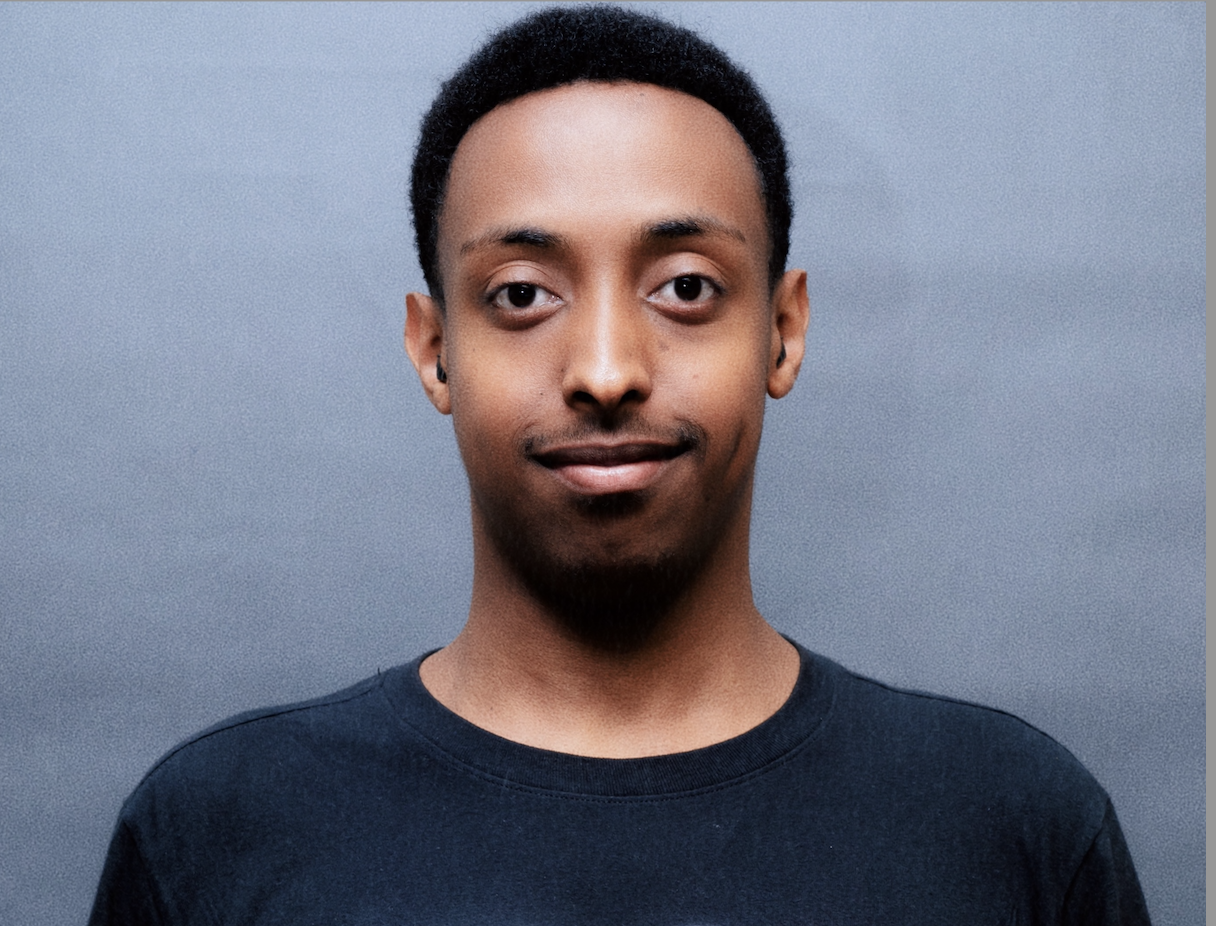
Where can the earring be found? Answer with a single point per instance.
(440, 372)
(781, 356)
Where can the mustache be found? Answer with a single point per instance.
(680, 436)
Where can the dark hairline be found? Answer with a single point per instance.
(599, 44)
(686, 225)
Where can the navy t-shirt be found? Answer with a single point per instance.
(855, 803)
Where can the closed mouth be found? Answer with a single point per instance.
(609, 455)
(598, 468)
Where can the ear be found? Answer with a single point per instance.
(791, 313)
(424, 342)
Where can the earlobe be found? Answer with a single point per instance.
(791, 314)
(424, 342)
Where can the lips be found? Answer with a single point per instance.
(605, 468)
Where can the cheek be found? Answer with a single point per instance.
(724, 392)
(494, 398)
(728, 368)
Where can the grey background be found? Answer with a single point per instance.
(221, 486)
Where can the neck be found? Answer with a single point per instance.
(711, 669)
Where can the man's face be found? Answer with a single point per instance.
(609, 332)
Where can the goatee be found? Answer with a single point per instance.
(614, 606)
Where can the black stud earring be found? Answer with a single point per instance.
(440, 372)
(781, 356)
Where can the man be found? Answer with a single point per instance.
(617, 735)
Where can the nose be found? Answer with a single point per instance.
(607, 354)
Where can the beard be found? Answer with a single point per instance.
(613, 603)
(612, 606)
(615, 607)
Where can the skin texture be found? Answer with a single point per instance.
(609, 337)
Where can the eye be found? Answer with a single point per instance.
(521, 296)
(687, 291)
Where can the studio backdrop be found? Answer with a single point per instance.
(222, 487)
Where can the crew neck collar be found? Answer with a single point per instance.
(488, 755)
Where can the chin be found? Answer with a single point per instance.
(614, 606)
(606, 597)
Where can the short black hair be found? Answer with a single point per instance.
(561, 45)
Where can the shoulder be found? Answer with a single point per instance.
(256, 754)
(925, 744)
(259, 792)
(328, 713)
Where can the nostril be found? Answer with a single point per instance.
(606, 399)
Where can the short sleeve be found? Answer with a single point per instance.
(127, 893)
(1105, 890)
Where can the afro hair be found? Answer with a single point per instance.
(563, 45)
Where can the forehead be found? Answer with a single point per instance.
(601, 156)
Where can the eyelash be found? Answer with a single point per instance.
(715, 290)
(504, 290)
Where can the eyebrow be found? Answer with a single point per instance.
(530, 237)
(694, 226)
